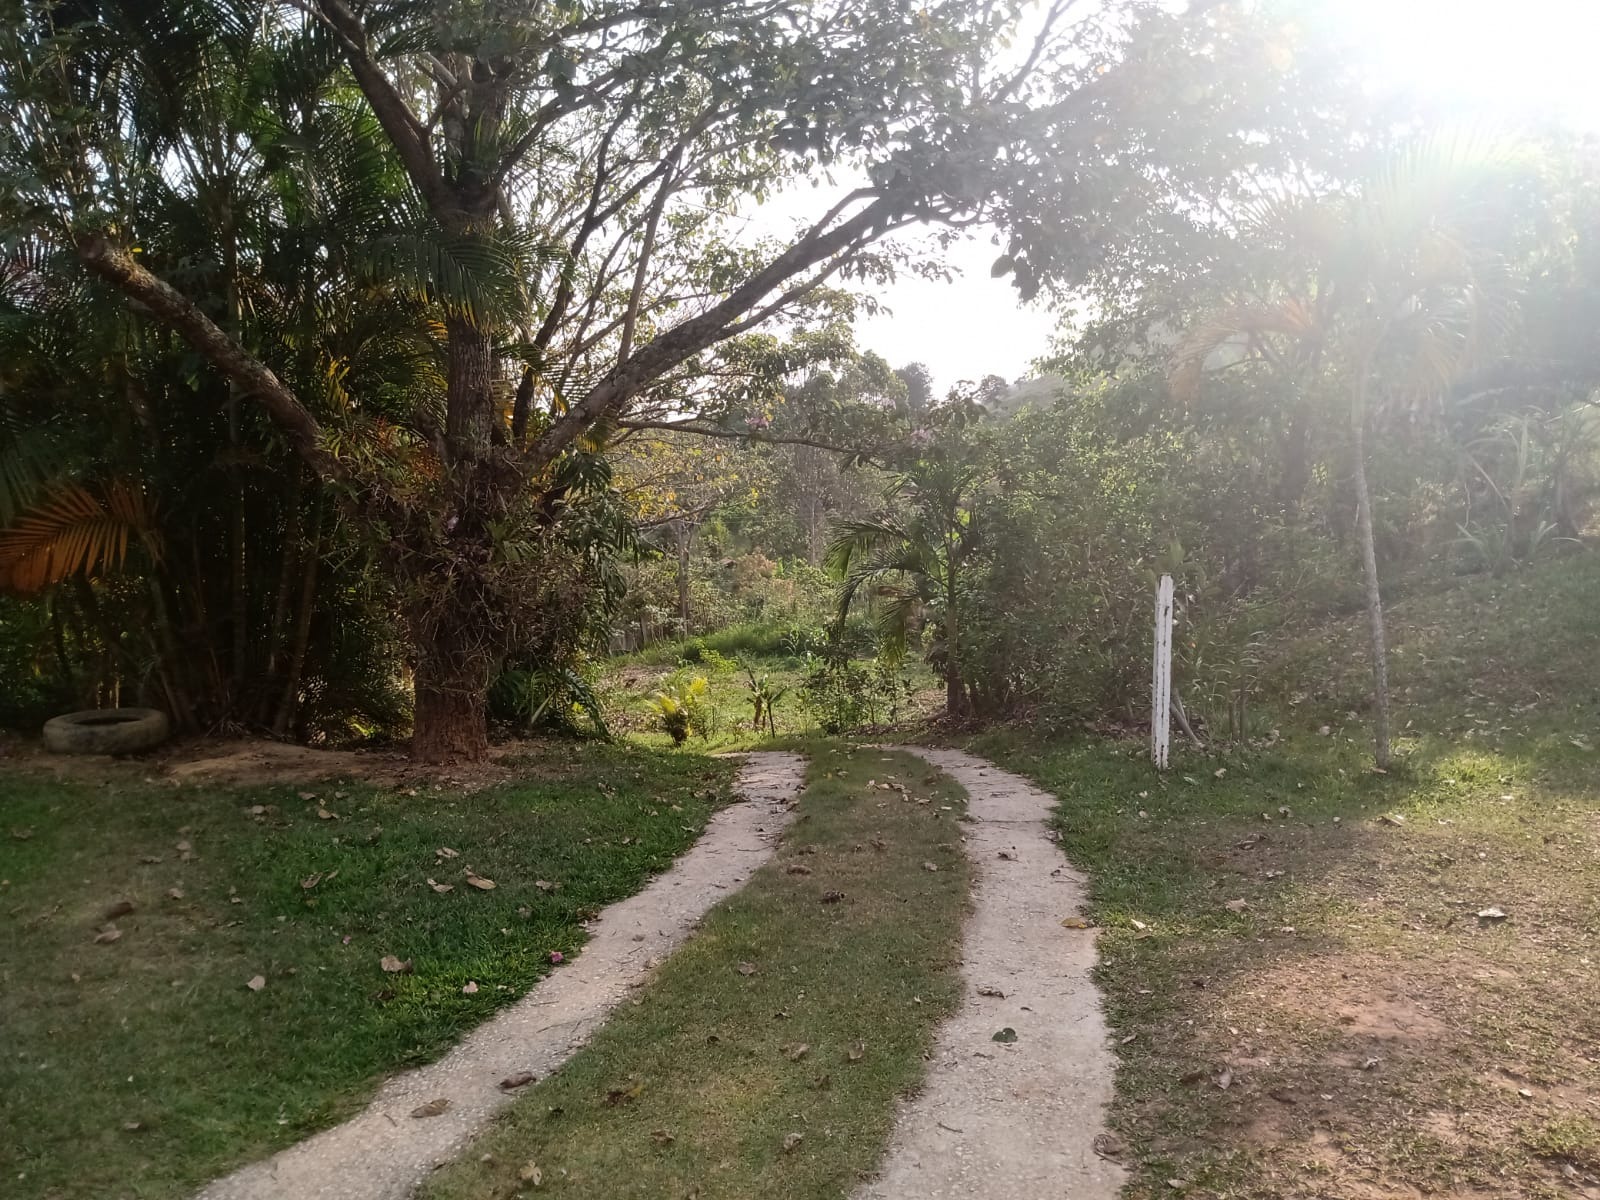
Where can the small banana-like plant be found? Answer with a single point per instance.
(681, 708)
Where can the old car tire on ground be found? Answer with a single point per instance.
(106, 731)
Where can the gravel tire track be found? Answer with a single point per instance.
(1011, 1121)
(384, 1153)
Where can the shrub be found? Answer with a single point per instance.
(843, 695)
(682, 707)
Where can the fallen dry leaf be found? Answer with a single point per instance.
(745, 968)
(512, 1082)
(1490, 915)
(856, 1051)
(1107, 1145)
(1225, 1080)
(311, 881)
(796, 1051)
(544, 885)
(446, 852)
(479, 882)
(120, 909)
(441, 888)
(928, 866)
(324, 815)
(992, 991)
(531, 1173)
(106, 936)
(1076, 923)
(395, 966)
(469, 988)
(661, 1137)
(174, 893)
(832, 897)
(791, 1142)
(1236, 905)
(433, 1108)
(256, 982)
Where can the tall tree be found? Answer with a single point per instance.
(574, 172)
(1378, 300)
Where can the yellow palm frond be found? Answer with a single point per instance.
(74, 530)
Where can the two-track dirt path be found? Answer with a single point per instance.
(996, 1120)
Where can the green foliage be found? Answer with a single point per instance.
(844, 695)
(557, 698)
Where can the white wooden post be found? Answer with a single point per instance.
(1161, 679)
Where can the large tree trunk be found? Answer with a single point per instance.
(458, 643)
(451, 722)
(1369, 560)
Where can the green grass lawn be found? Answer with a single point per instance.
(144, 1065)
(1305, 1000)
(765, 1058)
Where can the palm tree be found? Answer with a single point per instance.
(911, 557)
(1385, 297)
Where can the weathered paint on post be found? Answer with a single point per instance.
(1161, 679)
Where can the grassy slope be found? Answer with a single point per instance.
(692, 1091)
(1376, 1038)
(144, 1066)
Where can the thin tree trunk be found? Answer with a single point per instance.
(292, 522)
(302, 629)
(1369, 561)
(684, 534)
(955, 693)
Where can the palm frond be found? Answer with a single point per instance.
(74, 531)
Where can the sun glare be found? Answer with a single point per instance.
(1533, 59)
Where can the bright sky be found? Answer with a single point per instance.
(1509, 61)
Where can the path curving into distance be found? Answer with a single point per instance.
(384, 1152)
(1015, 1121)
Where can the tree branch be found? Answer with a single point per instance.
(770, 439)
(407, 133)
(119, 268)
(689, 338)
